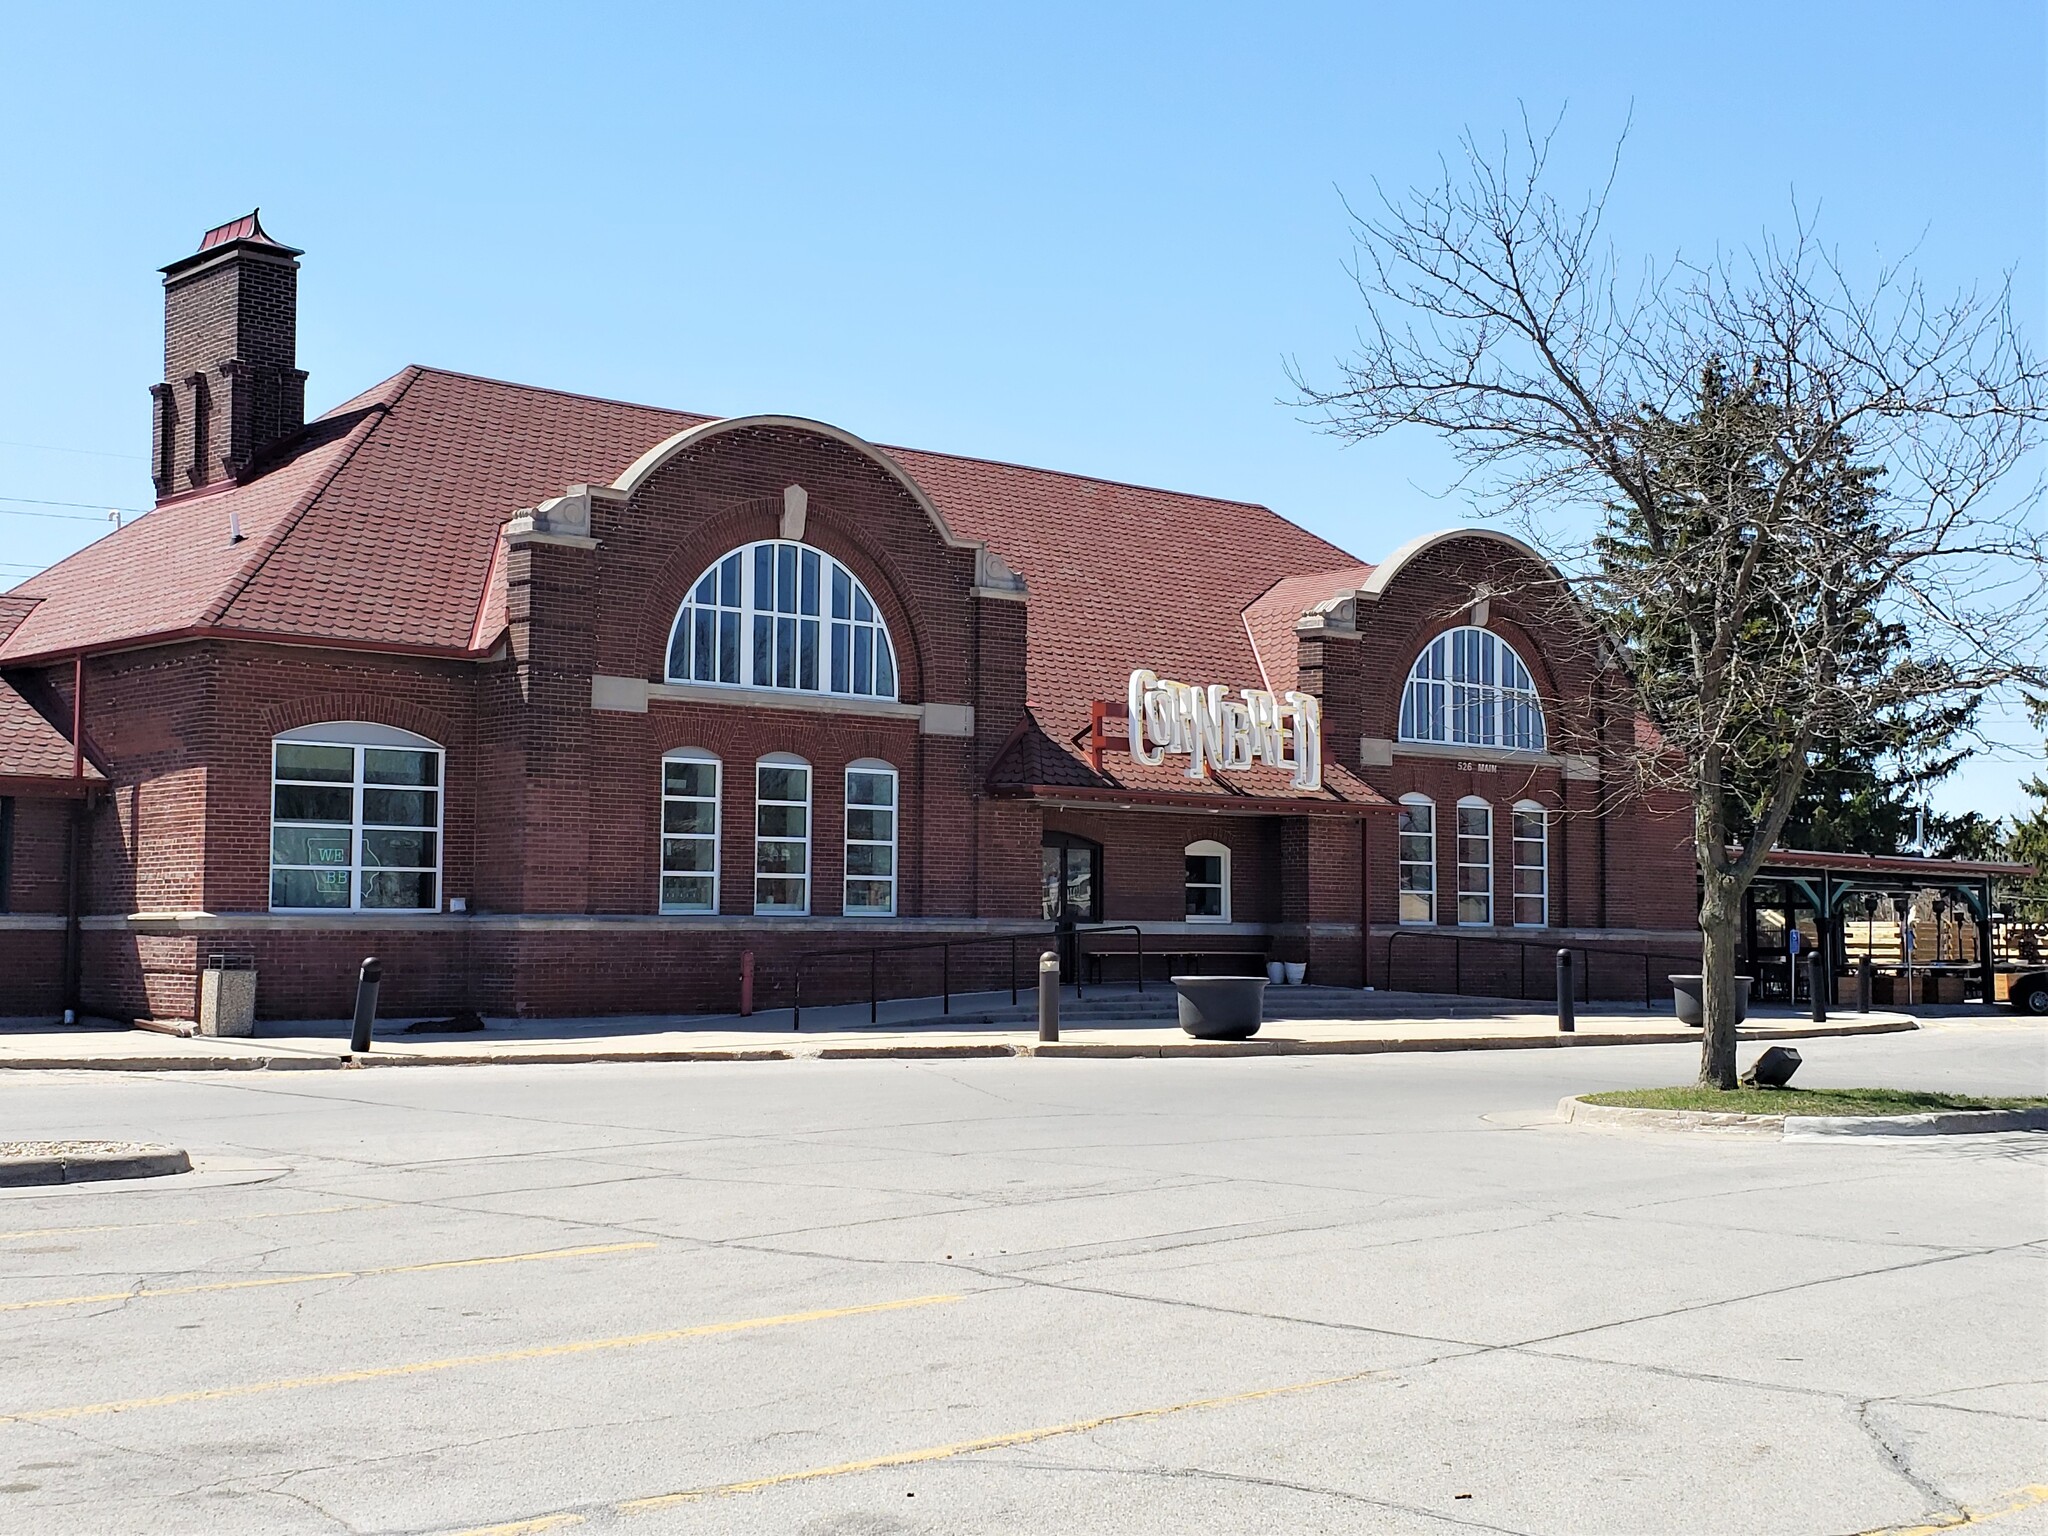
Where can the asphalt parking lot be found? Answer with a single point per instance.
(1377, 1294)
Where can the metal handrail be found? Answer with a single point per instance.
(1523, 946)
(945, 947)
(1137, 948)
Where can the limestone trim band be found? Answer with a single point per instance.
(633, 695)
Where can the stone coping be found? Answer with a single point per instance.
(1968, 1122)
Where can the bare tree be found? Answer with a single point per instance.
(1784, 496)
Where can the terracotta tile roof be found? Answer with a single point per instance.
(1046, 761)
(31, 747)
(378, 526)
(1271, 618)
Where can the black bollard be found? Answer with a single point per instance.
(1567, 1015)
(367, 984)
(1817, 985)
(1048, 996)
(1863, 984)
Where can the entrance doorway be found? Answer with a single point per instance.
(1070, 878)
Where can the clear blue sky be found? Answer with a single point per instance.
(1083, 236)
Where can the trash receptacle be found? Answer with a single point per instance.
(227, 997)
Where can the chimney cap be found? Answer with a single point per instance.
(246, 233)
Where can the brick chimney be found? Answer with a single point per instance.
(232, 386)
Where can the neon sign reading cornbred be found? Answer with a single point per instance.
(1209, 728)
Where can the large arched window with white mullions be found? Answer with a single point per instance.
(778, 614)
(1468, 688)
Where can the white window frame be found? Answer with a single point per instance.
(880, 769)
(359, 736)
(1468, 687)
(1474, 803)
(809, 802)
(1207, 848)
(683, 660)
(1516, 843)
(663, 837)
(1402, 865)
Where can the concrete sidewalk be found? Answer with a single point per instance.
(1109, 1022)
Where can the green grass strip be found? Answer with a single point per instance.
(1806, 1101)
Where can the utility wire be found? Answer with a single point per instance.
(75, 517)
(91, 453)
(37, 501)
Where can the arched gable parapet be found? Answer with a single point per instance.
(690, 437)
(1383, 574)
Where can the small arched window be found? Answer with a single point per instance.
(1417, 859)
(690, 790)
(1468, 688)
(1208, 882)
(1475, 863)
(871, 825)
(1532, 865)
(782, 835)
(355, 819)
(777, 614)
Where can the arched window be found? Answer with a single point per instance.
(782, 615)
(689, 830)
(782, 835)
(1417, 858)
(1475, 863)
(355, 820)
(1208, 882)
(1532, 865)
(1468, 688)
(870, 839)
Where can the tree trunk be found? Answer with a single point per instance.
(1719, 939)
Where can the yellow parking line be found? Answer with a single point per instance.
(984, 1443)
(458, 1362)
(2030, 1497)
(192, 1221)
(332, 1274)
(524, 1527)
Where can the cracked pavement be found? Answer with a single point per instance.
(1343, 1294)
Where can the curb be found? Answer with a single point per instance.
(82, 1167)
(1968, 1122)
(797, 1050)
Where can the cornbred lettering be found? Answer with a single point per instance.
(1209, 728)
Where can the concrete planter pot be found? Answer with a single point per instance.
(1688, 997)
(1296, 971)
(1221, 1007)
(1275, 972)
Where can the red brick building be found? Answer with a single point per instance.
(560, 705)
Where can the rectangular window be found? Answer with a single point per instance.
(870, 842)
(1418, 863)
(689, 834)
(1532, 869)
(1475, 866)
(782, 839)
(354, 828)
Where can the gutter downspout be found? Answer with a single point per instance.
(1365, 903)
(74, 849)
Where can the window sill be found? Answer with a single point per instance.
(1441, 749)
